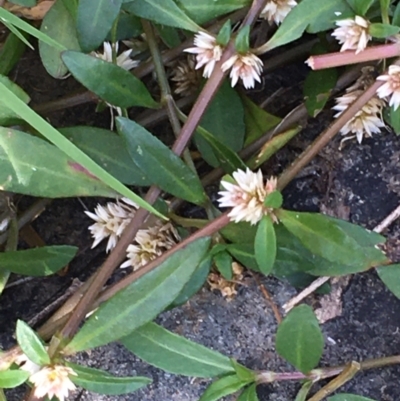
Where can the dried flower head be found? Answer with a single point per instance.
(277, 10)
(248, 67)
(150, 243)
(53, 381)
(391, 87)
(228, 288)
(207, 51)
(352, 34)
(246, 197)
(110, 221)
(186, 76)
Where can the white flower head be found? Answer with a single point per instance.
(367, 121)
(150, 243)
(26, 364)
(246, 197)
(123, 60)
(248, 67)
(207, 52)
(391, 87)
(53, 381)
(352, 34)
(110, 221)
(277, 10)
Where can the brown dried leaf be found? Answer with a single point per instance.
(33, 13)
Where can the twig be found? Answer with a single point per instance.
(387, 221)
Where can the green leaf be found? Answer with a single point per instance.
(9, 19)
(322, 237)
(32, 166)
(85, 163)
(223, 263)
(244, 253)
(242, 40)
(12, 50)
(13, 378)
(303, 392)
(299, 339)
(175, 354)
(224, 119)
(141, 301)
(169, 35)
(396, 15)
(241, 232)
(257, 121)
(161, 166)
(390, 275)
(108, 81)
(224, 34)
(360, 7)
(129, 26)
(304, 15)
(37, 262)
(108, 150)
(195, 283)
(102, 382)
(349, 397)
(243, 373)
(94, 21)
(223, 387)
(226, 158)
(394, 118)
(59, 24)
(317, 89)
(274, 200)
(164, 12)
(8, 116)
(265, 245)
(206, 10)
(31, 344)
(378, 30)
(249, 394)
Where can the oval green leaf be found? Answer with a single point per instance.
(102, 382)
(8, 116)
(108, 150)
(94, 20)
(161, 166)
(390, 275)
(108, 81)
(175, 354)
(32, 166)
(31, 344)
(265, 245)
(13, 378)
(37, 262)
(223, 263)
(164, 12)
(299, 339)
(382, 31)
(223, 387)
(249, 394)
(349, 397)
(141, 301)
(58, 24)
(224, 119)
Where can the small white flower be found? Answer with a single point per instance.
(367, 121)
(391, 87)
(53, 381)
(110, 221)
(207, 51)
(123, 60)
(246, 197)
(26, 364)
(277, 10)
(248, 67)
(352, 34)
(150, 243)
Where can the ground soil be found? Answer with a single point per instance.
(362, 179)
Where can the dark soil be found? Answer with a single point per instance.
(361, 179)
